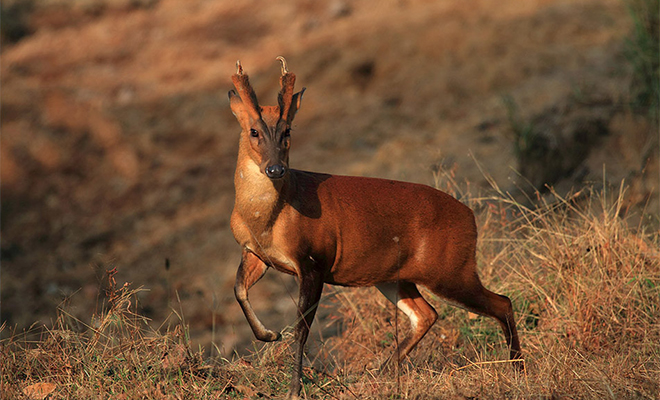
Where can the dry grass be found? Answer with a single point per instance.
(586, 289)
(585, 286)
(116, 356)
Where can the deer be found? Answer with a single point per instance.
(347, 231)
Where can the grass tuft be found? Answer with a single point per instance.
(116, 356)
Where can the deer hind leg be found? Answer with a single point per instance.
(422, 316)
(249, 272)
(471, 294)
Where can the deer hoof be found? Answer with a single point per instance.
(270, 336)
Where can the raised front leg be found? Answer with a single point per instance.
(249, 272)
(311, 286)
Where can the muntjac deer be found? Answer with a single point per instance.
(347, 231)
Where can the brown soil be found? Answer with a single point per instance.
(118, 145)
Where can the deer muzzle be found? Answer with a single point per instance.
(276, 171)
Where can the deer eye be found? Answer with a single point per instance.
(287, 132)
(254, 133)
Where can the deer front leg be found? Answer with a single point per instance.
(249, 272)
(311, 286)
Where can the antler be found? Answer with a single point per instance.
(287, 80)
(249, 98)
(283, 61)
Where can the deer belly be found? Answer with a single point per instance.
(369, 266)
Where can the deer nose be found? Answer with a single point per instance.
(275, 171)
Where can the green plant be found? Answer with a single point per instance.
(523, 131)
(643, 52)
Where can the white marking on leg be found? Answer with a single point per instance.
(391, 292)
(410, 313)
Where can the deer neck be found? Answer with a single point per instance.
(259, 200)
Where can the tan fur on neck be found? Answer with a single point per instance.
(256, 202)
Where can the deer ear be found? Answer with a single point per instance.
(234, 100)
(238, 108)
(295, 104)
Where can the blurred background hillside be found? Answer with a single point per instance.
(118, 145)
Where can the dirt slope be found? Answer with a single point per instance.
(118, 145)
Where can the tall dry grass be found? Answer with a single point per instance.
(585, 286)
(117, 356)
(586, 289)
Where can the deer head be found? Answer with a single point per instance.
(266, 130)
